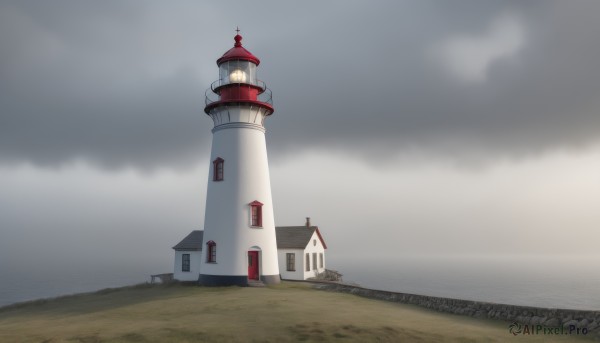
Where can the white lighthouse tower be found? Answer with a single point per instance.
(239, 244)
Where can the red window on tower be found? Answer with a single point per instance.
(256, 213)
(218, 169)
(211, 252)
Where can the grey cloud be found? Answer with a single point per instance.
(391, 98)
(122, 83)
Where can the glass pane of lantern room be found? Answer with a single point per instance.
(228, 68)
(224, 73)
(252, 73)
(236, 74)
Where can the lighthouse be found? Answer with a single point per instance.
(239, 245)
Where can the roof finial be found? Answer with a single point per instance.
(237, 38)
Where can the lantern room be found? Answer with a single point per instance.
(237, 84)
(237, 71)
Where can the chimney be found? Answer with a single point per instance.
(307, 221)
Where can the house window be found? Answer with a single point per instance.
(290, 262)
(256, 213)
(314, 260)
(307, 264)
(218, 169)
(320, 260)
(185, 262)
(211, 252)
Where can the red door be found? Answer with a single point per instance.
(253, 265)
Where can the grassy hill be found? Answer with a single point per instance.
(288, 312)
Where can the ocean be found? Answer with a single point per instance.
(568, 282)
(23, 284)
(571, 282)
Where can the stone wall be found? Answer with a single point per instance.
(547, 317)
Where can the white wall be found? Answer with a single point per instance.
(291, 275)
(311, 248)
(195, 259)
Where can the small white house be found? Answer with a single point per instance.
(301, 253)
(188, 255)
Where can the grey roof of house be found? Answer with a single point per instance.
(294, 237)
(193, 241)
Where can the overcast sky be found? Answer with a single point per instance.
(410, 126)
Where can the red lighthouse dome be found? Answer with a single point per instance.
(238, 52)
(237, 84)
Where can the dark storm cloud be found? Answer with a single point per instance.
(122, 83)
(372, 88)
